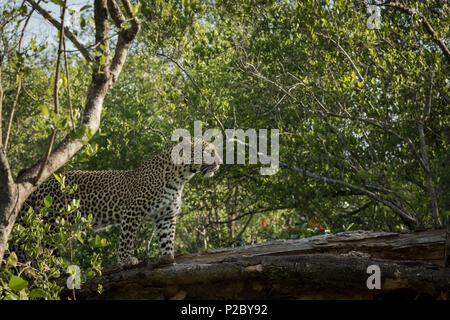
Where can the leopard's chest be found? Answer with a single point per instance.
(165, 203)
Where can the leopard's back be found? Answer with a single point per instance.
(103, 194)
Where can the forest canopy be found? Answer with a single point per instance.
(362, 110)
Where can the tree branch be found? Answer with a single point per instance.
(261, 210)
(338, 45)
(69, 98)
(58, 59)
(116, 14)
(385, 127)
(358, 210)
(67, 32)
(127, 5)
(241, 232)
(404, 215)
(126, 36)
(426, 162)
(428, 28)
(6, 180)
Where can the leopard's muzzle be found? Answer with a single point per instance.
(209, 170)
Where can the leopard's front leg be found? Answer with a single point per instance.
(129, 225)
(165, 230)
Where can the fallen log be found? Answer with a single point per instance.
(333, 266)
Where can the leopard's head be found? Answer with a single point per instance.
(196, 156)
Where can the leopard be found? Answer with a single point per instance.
(128, 198)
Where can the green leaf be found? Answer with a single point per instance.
(98, 241)
(43, 47)
(37, 293)
(135, 9)
(91, 20)
(12, 260)
(100, 133)
(79, 133)
(11, 296)
(33, 44)
(444, 215)
(102, 60)
(63, 123)
(44, 110)
(58, 178)
(83, 22)
(17, 283)
(88, 132)
(23, 10)
(80, 237)
(85, 7)
(58, 2)
(48, 201)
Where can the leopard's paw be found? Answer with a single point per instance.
(166, 260)
(128, 262)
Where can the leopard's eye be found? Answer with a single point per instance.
(213, 153)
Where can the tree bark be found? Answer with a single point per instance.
(320, 267)
(9, 196)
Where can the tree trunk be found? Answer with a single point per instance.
(320, 267)
(10, 202)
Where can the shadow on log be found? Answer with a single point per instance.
(320, 267)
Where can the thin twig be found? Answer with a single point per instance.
(261, 210)
(47, 155)
(428, 28)
(385, 127)
(19, 86)
(55, 94)
(69, 99)
(338, 45)
(407, 218)
(149, 241)
(424, 152)
(67, 32)
(58, 60)
(241, 232)
(197, 87)
(94, 45)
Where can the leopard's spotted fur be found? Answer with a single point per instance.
(128, 197)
